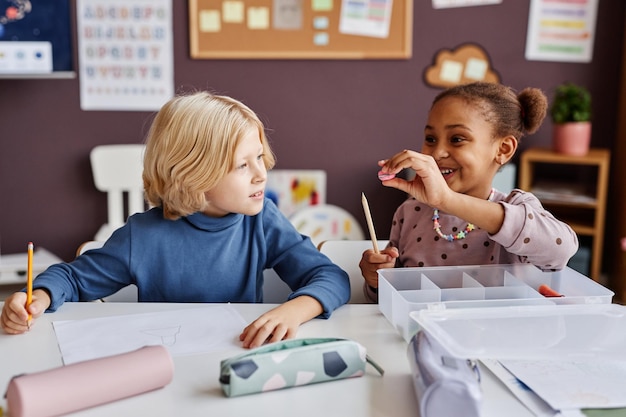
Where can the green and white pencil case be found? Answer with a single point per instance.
(291, 363)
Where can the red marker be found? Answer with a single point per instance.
(547, 291)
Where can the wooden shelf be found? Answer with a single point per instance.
(581, 204)
(50, 75)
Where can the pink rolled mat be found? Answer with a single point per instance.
(86, 384)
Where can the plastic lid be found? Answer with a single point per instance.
(529, 332)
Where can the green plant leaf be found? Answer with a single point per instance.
(572, 103)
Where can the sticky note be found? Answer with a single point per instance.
(320, 38)
(232, 11)
(258, 18)
(451, 71)
(320, 23)
(210, 21)
(322, 5)
(288, 14)
(476, 68)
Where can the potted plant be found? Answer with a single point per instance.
(571, 116)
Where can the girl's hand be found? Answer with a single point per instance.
(14, 319)
(371, 262)
(428, 186)
(281, 322)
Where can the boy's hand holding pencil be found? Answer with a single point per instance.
(29, 281)
(15, 314)
(21, 308)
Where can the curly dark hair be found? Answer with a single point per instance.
(509, 112)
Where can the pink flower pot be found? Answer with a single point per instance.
(572, 138)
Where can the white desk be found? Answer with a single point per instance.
(195, 390)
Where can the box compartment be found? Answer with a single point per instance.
(404, 290)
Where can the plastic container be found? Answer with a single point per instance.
(403, 290)
(529, 332)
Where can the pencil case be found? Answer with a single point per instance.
(444, 385)
(86, 384)
(292, 363)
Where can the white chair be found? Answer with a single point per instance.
(117, 170)
(347, 255)
(505, 178)
(275, 290)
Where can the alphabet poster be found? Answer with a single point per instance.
(125, 54)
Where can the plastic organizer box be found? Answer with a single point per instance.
(403, 290)
(568, 332)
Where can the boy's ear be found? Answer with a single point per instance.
(506, 149)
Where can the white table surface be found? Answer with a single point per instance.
(195, 390)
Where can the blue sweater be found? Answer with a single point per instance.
(200, 259)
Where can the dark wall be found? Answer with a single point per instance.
(338, 115)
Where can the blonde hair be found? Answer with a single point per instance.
(190, 147)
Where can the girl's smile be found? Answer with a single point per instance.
(462, 143)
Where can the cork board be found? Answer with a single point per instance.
(300, 29)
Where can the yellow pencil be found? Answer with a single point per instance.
(29, 280)
(370, 224)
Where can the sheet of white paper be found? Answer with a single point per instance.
(183, 332)
(527, 397)
(573, 384)
(365, 17)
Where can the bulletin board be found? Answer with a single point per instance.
(300, 29)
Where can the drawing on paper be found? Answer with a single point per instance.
(167, 335)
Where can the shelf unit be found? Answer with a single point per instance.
(13, 267)
(580, 202)
(48, 75)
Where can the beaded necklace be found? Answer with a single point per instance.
(462, 233)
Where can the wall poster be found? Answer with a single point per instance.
(125, 54)
(561, 30)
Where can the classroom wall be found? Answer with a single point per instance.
(337, 115)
